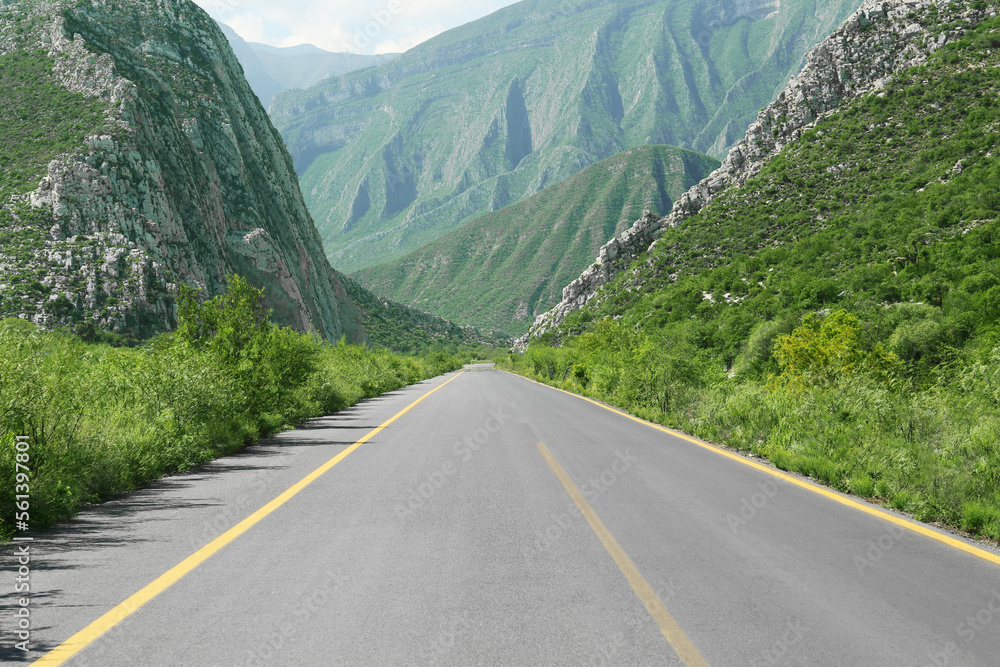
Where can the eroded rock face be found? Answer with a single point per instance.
(881, 38)
(187, 181)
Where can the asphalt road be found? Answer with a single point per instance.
(453, 537)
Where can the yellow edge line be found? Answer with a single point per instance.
(92, 632)
(832, 495)
(685, 649)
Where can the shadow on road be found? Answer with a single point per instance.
(108, 523)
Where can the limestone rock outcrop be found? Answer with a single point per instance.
(186, 181)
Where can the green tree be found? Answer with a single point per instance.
(264, 359)
(827, 351)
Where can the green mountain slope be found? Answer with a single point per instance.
(179, 177)
(891, 199)
(404, 329)
(135, 157)
(490, 113)
(840, 312)
(500, 270)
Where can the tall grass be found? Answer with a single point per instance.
(933, 451)
(102, 421)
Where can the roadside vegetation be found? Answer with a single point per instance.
(102, 420)
(839, 313)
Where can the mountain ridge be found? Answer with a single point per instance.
(837, 313)
(182, 178)
(392, 157)
(273, 69)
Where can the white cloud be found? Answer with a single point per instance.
(248, 26)
(408, 41)
(361, 26)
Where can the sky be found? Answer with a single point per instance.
(356, 26)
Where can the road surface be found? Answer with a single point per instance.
(498, 522)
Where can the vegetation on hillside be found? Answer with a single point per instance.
(839, 313)
(106, 275)
(489, 113)
(101, 421)
(403, 329)
(502, 269)
(40, 120)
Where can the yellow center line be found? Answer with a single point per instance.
(668, 625)
(809, 486)
(92, 632)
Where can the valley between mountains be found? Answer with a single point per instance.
(452, 537)
(588, 332)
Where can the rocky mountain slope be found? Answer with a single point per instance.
(271, 69)
(502, 269)
(135, 157)
(879, 40)
(490, 113)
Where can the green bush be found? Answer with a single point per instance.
(932, 451)
(827, 352)
(103, 420)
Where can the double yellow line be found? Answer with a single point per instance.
(92, 632)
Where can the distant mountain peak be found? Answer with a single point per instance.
(272, 69)
(500, 270)
(297, 50)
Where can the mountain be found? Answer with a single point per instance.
(490, 113)
(500, 270)
(135, 157)
(271, 69)
(859, 58)
(264, 85)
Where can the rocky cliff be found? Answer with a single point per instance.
(878, 40)
(178, 175)
(490, 113)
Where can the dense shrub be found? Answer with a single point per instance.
(103, 420)
(932, 452)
